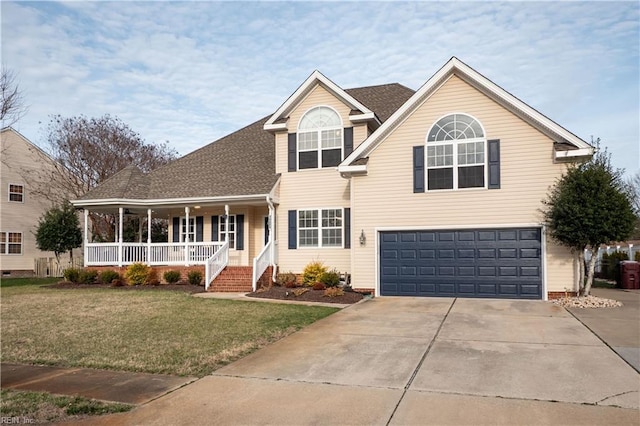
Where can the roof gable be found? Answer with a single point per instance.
(456, 67)
(276, 122)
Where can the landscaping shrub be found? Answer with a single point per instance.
(72, 274)
(611, 264)
(108, 275)
(319, 286)
(333, 292)
(87, 276)
(299, 291)
(171, 277)
(194, 277)
(312, 272)
(330, 278)
(286, 279)
(138, 274)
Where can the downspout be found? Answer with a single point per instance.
(272, 211)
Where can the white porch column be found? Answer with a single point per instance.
(226, 222)
(186, 237)
(86, 237)
(148, 236)
(120, 239)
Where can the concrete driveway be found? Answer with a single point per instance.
(417, 361)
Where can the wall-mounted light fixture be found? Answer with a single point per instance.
(363, 239)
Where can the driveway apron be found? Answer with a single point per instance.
(397, 360)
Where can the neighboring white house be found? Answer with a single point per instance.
(20, 206)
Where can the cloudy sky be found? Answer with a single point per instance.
(191, 72)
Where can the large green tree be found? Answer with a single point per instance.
(59, 231)
(590, 205)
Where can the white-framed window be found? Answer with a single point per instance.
(187, 230)
(320, 228)
(320, 136)
(456, 154)
(229, 230)
(10, 242)
(16, 193)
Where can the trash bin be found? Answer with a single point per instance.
(630, 274)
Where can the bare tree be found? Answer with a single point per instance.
(12, 107)
(88, 151)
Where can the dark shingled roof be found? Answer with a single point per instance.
(242, 163)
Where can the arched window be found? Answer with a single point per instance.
(456, 156)
(319, 139)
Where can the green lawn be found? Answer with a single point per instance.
(155, 332)
(23, 407)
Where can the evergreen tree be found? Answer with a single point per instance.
(59, 231)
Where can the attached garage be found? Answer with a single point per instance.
(492, 263)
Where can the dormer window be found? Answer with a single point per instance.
(456, 156)
(319, 139)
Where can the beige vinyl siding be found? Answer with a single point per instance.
(311, 188)
(385, 198)
(20, 160)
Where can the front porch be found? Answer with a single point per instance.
(239, 239)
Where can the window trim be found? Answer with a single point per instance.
(6, 243)
(319, 131)
(320, 228)
(455, 166)
(9, 193)
(183, 232)
(222, 234)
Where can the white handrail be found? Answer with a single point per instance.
(108, 254)
(260, 264)
(215, 264)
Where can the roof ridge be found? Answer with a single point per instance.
(379, 85)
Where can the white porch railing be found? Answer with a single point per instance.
(107, 254)
(215, 264)
(260, 264)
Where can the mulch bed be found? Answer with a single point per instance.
(283, 293)
(187, 288)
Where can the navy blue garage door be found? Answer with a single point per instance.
(501, 263)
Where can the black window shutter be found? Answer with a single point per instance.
(239, 232)
(418, 168)
(292, 152)
(347, 227)
(214, 228)
(199, 228)
(293, 230)
(348, 141)
(494, 164)
(176, 229)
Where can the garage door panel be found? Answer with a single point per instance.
(468, 263)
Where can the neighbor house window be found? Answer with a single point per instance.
(189, 230)
(228, 230)
(456, 156)
(320, 228)
(319, 139)
(10, 242)
(16, 193)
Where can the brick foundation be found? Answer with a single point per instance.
(372, 291)
(551, 295)
(18, 273)
(158, 271)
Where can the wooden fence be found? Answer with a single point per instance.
(49, 267)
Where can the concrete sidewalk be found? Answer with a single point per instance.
(114, 386)
(619, 328)
(416, 361)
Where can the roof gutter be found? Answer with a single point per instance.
(166, 201)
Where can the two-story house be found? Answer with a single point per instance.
(434, 192)
(22, 203)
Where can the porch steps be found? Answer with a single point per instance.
(233, 279)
